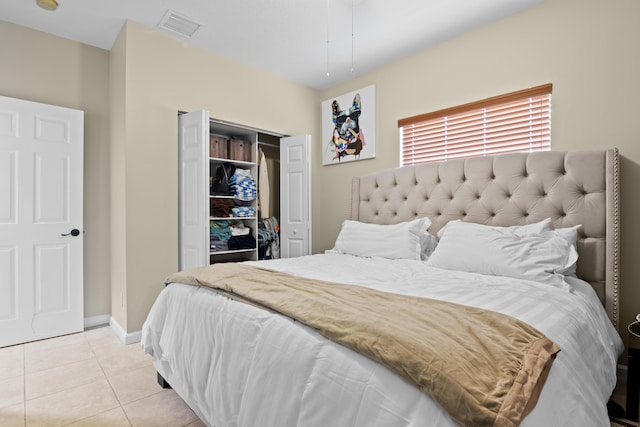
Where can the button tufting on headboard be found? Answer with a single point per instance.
(571, 188)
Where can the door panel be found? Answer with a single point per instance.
(50, 129)
(295, 196)
(52, 281)
(8, 123)
(41, 184)
(8, 180)
(8, 284)
(51, 189)
(295, 208)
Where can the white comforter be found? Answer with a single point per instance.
(237, 365)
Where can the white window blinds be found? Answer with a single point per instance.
(518, 121)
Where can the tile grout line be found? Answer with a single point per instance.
(43, 371)
(105, 377)
(96, 347)
(93, 350)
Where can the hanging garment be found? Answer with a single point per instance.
(268, 239)
(271, 224)
(263, 187)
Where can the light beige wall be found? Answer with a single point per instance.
(117, 176)
(164, 75)
(43, 68)
(588, 49)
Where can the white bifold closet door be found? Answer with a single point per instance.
(41, 222)
(295, 196)
(193, 193)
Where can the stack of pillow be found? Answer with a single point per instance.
(532, 252)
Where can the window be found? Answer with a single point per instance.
(517, 121)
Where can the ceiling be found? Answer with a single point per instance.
(286, 37)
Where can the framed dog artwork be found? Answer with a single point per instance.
(348, 127)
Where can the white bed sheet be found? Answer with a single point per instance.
(237, 365)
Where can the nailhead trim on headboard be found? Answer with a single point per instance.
(615, 315)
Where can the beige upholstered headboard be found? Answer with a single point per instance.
(571, 188)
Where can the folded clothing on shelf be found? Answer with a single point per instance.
(240, 229)
(243, 211)
(219, 245)
(221, 208)
(229, 235)
(242, 242)
(219, 230)
(242, 185)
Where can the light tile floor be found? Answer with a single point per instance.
(91, 379)
(85, 379)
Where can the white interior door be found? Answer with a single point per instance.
(295, 196)
(193, 189)
(41, 260)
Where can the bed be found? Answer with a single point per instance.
(505, 226)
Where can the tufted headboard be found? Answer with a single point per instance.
(571, 188)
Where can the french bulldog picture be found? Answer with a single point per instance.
(346, 139)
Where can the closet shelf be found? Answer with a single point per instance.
(227, 218)
(233, 162)
(231, 251)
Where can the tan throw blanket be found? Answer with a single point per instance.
(484, 368)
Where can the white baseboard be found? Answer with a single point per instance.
(126, 338)
(93, 321)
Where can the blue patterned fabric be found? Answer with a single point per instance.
(243, 211)
(243, 186)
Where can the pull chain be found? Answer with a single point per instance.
(352, 37)
(328, 31)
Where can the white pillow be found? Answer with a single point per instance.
(570, 234)
(428, 243)
(395, 241)
(536, 227)
(477, 248)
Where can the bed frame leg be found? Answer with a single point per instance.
(163, 383)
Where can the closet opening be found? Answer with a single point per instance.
(268, 196)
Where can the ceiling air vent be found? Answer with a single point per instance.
(178, 24)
